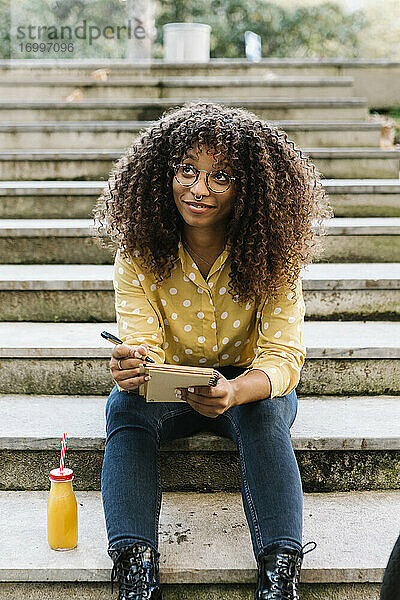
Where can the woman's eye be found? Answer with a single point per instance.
(187, 168)
(221, 176)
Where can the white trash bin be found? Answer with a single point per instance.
(186, 42)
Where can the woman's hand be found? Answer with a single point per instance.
(210, 401)
(124, 365)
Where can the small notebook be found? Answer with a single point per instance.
(165, 378)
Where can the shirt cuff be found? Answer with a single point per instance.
(281, 382)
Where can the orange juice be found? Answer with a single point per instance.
(62, 511)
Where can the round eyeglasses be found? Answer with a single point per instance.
(188, 175)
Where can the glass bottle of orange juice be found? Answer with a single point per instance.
(62, 511)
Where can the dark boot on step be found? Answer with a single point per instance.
(279, 573)
(136, 569)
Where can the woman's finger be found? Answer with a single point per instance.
(124, 357)
(200, 408)
(124, 364)
(123, 351)
(197, 398)
(201, 400)
(129, 374)
(132, 383)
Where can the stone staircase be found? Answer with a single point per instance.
(56, 296)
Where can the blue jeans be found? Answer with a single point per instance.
(270, 479)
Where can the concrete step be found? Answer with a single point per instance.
(55, 199)
(348, 163)
(94, 164)
(205, 547)
(48, 199)
(118, 134)
(341, 444)
(362, 197)
(114, 68)
(224, 87)
(72, 358)
(52, 69)
(85, 292)
(48, 241)
(360, 240)
(146, 109)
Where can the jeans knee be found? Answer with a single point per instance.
(271, 413)
(268, 414)
(121, 407)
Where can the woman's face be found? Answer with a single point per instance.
(219, 203)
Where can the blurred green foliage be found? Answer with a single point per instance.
(307, 31)
(5, 26)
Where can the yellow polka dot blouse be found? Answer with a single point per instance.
(192, 321)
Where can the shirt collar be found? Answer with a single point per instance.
(187, 263)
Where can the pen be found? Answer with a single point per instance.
(112, 338)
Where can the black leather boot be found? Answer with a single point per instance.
(279, 573)
(390, 589)
(136, 568)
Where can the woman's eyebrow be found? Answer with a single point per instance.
(194, 158)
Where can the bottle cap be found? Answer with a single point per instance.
(66, 475)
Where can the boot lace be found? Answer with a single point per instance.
(130, 570)
(287, 573)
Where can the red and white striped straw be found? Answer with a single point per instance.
(63, 446)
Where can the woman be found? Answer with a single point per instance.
(213, 212)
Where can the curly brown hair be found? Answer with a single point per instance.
(277, 220)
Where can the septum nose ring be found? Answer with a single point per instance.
(198, 197)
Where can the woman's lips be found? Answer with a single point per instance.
(198, 207)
